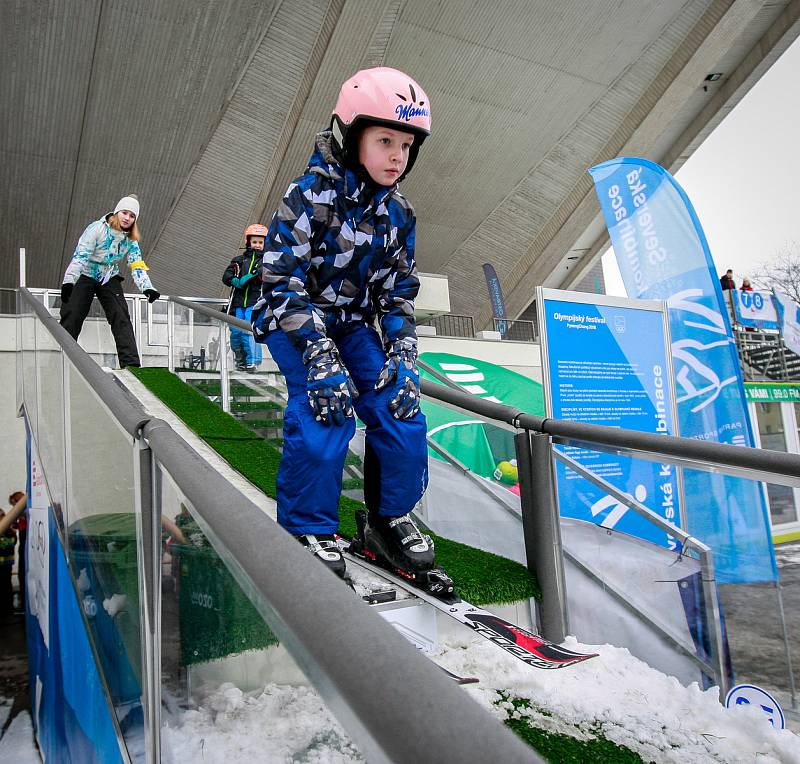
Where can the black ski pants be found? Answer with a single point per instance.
(112, 298)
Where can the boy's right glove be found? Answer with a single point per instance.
(330, 389)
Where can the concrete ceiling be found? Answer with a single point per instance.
(207, 109)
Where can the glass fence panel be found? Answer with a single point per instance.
(151, 331)
(102, 547)
(755, 630)
(227, 683)
(196, 341)
(257, 391)
(760, 617)
(256, 388)
(50, 435)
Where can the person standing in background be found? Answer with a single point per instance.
(726, 280)
(243, 276)
(94, 270)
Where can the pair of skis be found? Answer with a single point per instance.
(521, 643)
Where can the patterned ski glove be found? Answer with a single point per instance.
(330, 390)
(401, 373)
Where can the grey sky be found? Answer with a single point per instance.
(741, 179)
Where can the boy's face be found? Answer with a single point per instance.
(255, 242)
(384, 153)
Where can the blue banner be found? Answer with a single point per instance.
(788, 314)
(755, 310)
(609, 365)
(663, 254)
(495, 295)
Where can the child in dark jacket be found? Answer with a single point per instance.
(243, 275)
(339, 257)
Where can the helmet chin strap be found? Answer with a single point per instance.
(337, 133)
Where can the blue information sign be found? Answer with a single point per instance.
(608, 364)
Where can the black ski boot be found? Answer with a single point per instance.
(396, 544)
(323, 546)
(398, 541)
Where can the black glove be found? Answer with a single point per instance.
(329, 387)
(66, 291)
(152, 295)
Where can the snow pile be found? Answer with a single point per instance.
(632, 705)
(615, 694)
(273, 725)
(17, 743)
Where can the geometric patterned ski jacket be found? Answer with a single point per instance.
(338, 252)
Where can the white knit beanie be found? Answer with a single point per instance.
(130, 203)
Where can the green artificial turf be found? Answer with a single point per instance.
(557, 748)
(261, 424)
(482, 578)
(254, 406)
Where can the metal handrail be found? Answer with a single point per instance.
(751, 463)
(356, 645)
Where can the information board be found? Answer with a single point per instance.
(606, 361)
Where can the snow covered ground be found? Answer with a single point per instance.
(17, 743)
(633, 705)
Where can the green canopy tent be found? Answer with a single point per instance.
(477, 445)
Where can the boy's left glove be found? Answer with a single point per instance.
(152, 295)
(400, 371)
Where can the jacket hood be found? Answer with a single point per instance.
(323, 161)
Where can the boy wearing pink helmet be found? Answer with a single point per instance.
(339, 259)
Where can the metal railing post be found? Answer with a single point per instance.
(148, 515)
(225, 382)
(170, 336)
(713, 619)
(542, 531)
(22, 267)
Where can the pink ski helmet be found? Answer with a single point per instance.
(255, 229)
(380, 96)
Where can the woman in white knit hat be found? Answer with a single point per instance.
(94, 271)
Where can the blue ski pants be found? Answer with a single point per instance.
(244, 341)
(310, 472)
